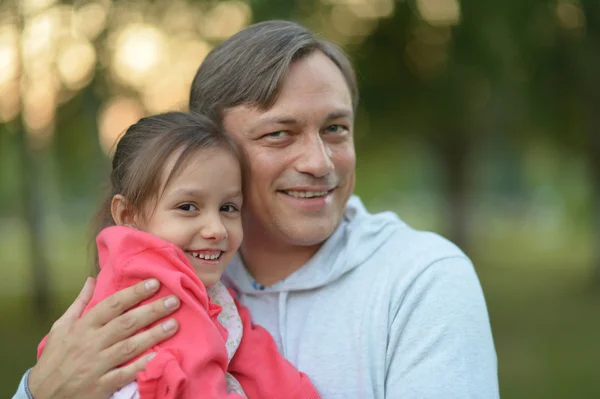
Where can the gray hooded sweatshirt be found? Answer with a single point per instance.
(381, 311)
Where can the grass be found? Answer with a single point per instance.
(546, 326)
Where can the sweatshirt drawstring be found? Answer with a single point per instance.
(282, 320)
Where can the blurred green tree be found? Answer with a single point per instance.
(562, 61)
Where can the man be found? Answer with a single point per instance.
(366, 306)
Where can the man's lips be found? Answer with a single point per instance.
(308, 193)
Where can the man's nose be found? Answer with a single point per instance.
(316, 157)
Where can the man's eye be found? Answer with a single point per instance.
(335, 129)
(229, 208)
(276, 135)
(187, 207)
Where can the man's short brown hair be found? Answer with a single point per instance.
(250, 66)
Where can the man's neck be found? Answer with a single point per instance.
(269, 263)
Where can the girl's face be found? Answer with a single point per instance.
(199, 211)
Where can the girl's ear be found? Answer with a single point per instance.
(121, 212)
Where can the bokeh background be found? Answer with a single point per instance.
(479, 119)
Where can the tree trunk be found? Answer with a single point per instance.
(32, 197)
(593, 147)
(454, 153)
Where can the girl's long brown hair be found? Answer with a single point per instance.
(140, 157)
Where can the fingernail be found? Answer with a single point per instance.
(151, 285)
(87, 281)
(151, 356)
(169, 325)
(171, 302)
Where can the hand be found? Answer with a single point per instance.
(82, 355)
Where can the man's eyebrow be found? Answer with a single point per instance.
(339, 114)
(275, 120)
(290, 120)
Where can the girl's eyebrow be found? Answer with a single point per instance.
(236, 193)
(198, 193)
(187, 192)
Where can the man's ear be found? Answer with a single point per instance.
(121, 212)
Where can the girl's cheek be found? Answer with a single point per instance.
(236, 233)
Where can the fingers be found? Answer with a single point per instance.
(136, 319)
(119, 377)
(82, 355)
(78, 306)
(128, 349)
(113, 306)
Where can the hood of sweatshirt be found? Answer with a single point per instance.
(357, 237)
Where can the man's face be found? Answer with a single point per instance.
(300, 155)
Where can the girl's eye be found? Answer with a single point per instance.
(229, 208)
(187, 207)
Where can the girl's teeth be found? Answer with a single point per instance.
(207, 257)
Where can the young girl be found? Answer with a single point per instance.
(174, 214)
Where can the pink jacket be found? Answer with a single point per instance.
(194, 361)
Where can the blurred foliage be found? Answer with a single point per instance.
(477, 119)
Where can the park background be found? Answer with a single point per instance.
(478, 119)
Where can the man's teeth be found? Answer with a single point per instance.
(206, 257)
(306, 194)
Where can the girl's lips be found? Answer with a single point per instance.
(197, 259)
(206, 254)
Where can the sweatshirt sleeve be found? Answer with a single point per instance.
(262, 371)
(199, 342)
(440, 342)
(23, 389)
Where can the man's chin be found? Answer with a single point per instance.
(308, 233)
